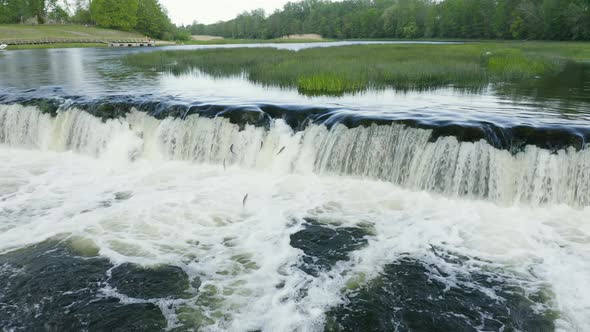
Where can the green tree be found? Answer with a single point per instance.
(4, 14)
(578, 15)
(410, 30)
(117, 14)
(504, 19)
(152, 20)
(38, 10)
(58, 14)
(81, 12)
(15, 11)
(517, 28)
(533, 26)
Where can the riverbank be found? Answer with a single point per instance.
(79, 36)
(57, 45)
(20, 37)
(213, 42)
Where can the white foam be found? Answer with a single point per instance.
(189, 213)
(392, 153)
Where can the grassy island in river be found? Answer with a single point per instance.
(338, 70)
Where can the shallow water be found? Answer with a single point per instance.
(94, 73)
(117, 214)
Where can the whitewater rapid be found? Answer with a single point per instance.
(395, 153)
(171, 191)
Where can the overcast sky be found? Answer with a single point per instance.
(211, 11)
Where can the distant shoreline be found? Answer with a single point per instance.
(57, 32)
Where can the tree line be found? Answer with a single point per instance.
(145, 16)
(484, 19)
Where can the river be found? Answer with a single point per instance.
(150, 201)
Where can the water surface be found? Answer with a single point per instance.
(148, 201)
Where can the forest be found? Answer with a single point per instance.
(348, 19)
(411, 19)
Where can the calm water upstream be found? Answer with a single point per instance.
(148, 201)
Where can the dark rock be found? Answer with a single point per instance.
(150, 283)
(51, 287)
(410, 295)
(324, 246)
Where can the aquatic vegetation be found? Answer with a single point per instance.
(327, 84)
(348, 69)
(513, 64)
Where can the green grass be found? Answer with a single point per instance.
(41, 32)
(328, 84)
(338, 70)
(76, 35)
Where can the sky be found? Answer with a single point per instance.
(211, 11)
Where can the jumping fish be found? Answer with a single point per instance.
(244, 200)
(231, 149)
(282, 149)
(261, 145)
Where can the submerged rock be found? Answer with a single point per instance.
(123, 195)
(48, 106)
(325, 245)
(413, 295)
(51, 287)
(110, 315)
(151, 282)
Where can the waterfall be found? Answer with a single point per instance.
(396, 153)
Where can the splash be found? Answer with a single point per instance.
(396, 153)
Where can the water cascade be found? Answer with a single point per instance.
(397, 153)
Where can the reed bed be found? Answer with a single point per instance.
(349, 69)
